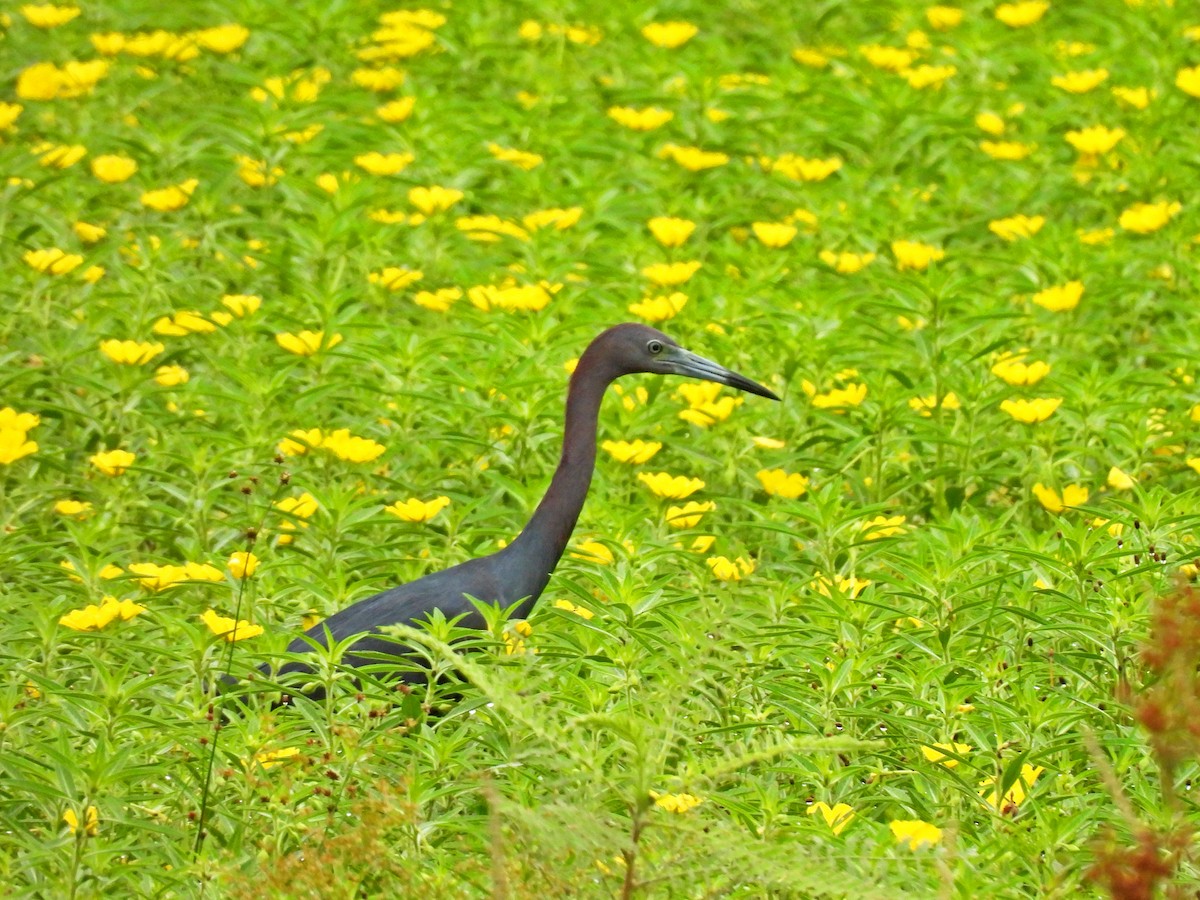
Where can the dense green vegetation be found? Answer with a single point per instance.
(290, 295)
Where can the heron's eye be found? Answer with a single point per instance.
(655, 347)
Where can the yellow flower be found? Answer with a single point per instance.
(52, 261)
(14, 445)
(1013, 369)
(520, 158)
(850, 586)
(383, 163)
(268, 759)
(331, 184)
(1095, 140)
(671, 274)
(302, 507)
(774, 234)
(1016, 227)
(1143, 218)
(74, 509)
(883, 527)
(1120, 481)
(11, 420)
(154, 577)
(676, 803)
(660, 308)
(92, 274)
(45, 81)
(112, 462)
(171, 198)
(594, 552)
(342, 444)
(669, 34)
(672, 487)
(93, 617)
(635, 452)
(395, 278)
(924, 76)
(433, 199)
(807, 56)
(1080, 82)
(130, 353)
(690, 514)
(1018, 15)
(242, 564)
(114, 169)
(798, 168)
(87, 233)
(415, 510)
(397, 110)
(925, 405)
(9, 112)
(779, 483)
(915, 255)
(842, 814)
(91, 821)
(222, 39)
(257, 173)
(889, 59)
(710, 412)
(561, 219)
(298, 508)
(914, 832)
(670, 231)
(378, 80)
(1072, 495)
(47, 15)
(837, 398)
(990, 123)
(646, 119)
(693, 158)
(1006, 150)
(109, 44)
(1016, 793)
(440, 300)
(581, 611)
(242, 305)
(846, 263)
(486, 228)
(943, 18)
(230, 629)
(938, 753)
(1194, 462)
(161, 43)
(513, 298)
(58, 156)
(1188, 81)
(1031, 411)
(183, 323)
(1137, 97)
(171, 376)
(1060, 298)
(730, 569)
(306, 343)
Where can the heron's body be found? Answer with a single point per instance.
(519, 573)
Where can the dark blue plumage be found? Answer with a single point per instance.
(521, 570)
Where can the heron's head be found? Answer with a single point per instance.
(629, 348)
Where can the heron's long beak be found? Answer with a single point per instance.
(685, 362)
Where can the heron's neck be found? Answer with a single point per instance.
(541, 543)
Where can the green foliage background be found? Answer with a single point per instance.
(988, 620)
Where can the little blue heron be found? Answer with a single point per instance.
(516, 575)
